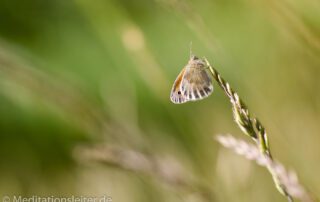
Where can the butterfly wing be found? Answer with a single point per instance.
(196, 84)
(193, 83)
(177, 95)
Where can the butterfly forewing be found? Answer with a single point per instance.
(177, 95)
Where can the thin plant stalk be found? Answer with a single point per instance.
(249, 125)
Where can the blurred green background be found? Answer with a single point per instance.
(100, 72)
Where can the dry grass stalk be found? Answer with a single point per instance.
(287, 178)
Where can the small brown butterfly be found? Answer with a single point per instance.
(193, 83)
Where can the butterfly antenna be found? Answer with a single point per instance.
(190, 46)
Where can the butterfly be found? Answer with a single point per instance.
(193, 82)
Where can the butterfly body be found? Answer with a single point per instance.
(193, 83)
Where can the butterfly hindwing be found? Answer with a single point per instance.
(197, 84)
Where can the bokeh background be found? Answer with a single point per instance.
(85, 73)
